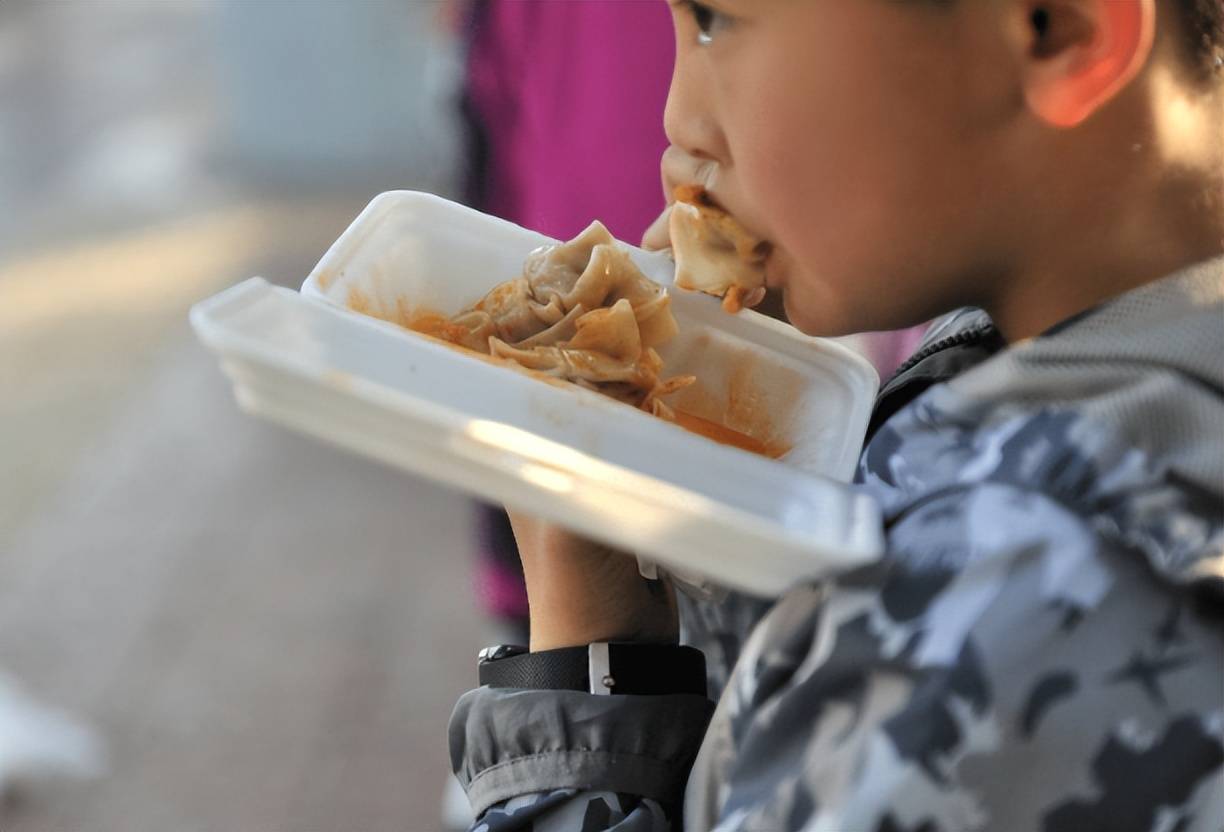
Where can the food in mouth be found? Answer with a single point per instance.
(714, 253)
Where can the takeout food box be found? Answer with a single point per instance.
(333, 362)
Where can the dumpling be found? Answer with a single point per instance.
(612, 331)
(714, 253)
(510, 309)
(581, 311)
(472, 329)
(562, 330)
(593, 271)
(553, 270)
(584, 313)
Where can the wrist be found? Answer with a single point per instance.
(580, 592)
(609, 603)
(641, 612)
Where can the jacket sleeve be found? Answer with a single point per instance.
(566, 761)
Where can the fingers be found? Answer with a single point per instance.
(657, 236)
(754, 297)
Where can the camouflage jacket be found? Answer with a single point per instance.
(1041, 647)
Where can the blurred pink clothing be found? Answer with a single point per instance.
(571, 96)
(889, 350)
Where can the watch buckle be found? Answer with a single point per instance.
(599, 669)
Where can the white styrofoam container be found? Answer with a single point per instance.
(563, 453)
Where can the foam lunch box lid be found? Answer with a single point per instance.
(331, 362)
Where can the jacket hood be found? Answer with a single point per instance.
(1146, 373)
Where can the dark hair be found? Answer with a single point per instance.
(1203, 23)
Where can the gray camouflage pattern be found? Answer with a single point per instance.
(1042, 648)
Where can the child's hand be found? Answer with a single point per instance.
(677, 168)
(581, 591)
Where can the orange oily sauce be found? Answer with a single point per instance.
(727, 436)
(724, 435)
(733, 300)
(437, 326)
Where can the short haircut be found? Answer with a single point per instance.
(1203, 23)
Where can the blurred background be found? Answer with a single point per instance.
(252, 624)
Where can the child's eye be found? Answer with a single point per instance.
(709, 21)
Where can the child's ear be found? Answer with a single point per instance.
(1077, 54)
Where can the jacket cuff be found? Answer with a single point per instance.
(510, 742)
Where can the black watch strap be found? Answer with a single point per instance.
(603, 667)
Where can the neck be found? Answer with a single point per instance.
(1165, 211)
(1094, 273)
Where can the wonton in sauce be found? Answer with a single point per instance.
(582, 312)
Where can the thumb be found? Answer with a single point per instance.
(657, 236)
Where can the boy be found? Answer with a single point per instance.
(1041, 646)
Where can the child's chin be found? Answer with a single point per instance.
(824, 322)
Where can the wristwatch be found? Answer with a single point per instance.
(599, 668)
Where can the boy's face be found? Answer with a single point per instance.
(866, 139)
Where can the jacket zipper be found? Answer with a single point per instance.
(957, 340)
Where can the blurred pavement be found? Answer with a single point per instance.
(268, 634)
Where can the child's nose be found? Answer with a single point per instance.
(689, 119)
